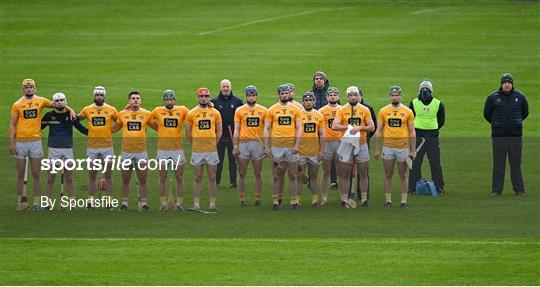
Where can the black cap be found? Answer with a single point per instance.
(506, 77)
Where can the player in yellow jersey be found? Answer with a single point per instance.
(312, 144)
(101, 117)
(203, 130)
(330, 155)
(352, 118)
(282, 134)
(133, 121)
(25, 140)
(248, 143)
(170, 122)
(396, 127)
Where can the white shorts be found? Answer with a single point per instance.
(177, 156)
(399, 154)
(284, 154)
(302, 160)
(200, 158)
(99, 153)
(362, 156)
(28, 149)
(330, 150)
(135, 156)
(56, 153)
(252, 150)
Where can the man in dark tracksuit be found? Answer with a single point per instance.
(429, 118)
(226, 103)
(60, 142)
(319, 89)
(505, 110)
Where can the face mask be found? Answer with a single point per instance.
(425, 95)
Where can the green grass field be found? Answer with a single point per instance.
(463, 238)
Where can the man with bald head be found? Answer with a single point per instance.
(226, 103)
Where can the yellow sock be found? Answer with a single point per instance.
(275, 198)
(242, 196)
(344, 197)
(36, 199)
(197, 201)
(163, 199)
(388, 197)
(180, 200)
(363, 196)
(404, 198)
(212, 201)
(257, 196)
(314, 198)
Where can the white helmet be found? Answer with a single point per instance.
(353, 90)
(99, 90)
(59, 97)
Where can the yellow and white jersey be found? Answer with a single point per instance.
(170, 126)
(396, 129)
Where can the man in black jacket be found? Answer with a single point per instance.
(429, 118)
(226, 103)
(320, 86)
(505, 110)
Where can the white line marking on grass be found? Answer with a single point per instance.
(427, 11)
(285, 240)
(267, 20)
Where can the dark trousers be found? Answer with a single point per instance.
(510, 146)
(432, 148)
(226, 143)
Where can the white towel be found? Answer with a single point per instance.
(348, 145)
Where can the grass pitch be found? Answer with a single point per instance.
(462, 238)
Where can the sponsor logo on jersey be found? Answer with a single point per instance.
(252, 122)
(134, 126)
(98, 121)
(30, 114)
(310, 127)
(394, 123)
(284, 121)
(170, 123)
(204, 124)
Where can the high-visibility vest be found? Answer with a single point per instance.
(426, 115)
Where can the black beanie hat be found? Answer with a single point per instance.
(506, 77)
